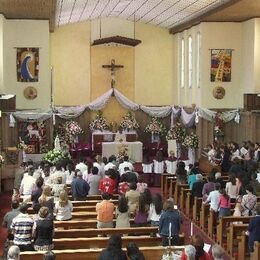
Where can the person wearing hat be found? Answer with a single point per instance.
(80, 187)
(21, 227)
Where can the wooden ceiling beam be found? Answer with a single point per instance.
(199, 19)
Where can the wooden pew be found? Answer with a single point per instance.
(234, 230)
(203, 216)
(85, 203)
(212, 221)
(101, 242)
(91, 208)
(196, 209)
(243, 246)
(94, 232)
(224, 223)
(188, 205)
(154, 252)
(164, 184)
(171, 182)
(72, 224)
(177, 192)
(184, 192)
(256, 253)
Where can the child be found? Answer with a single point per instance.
(224, 204)
(141, 185)
(171, 163)
(147, 165)
(158, 163)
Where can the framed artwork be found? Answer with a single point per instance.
(220, 70)
(27, 64)
(34, 136)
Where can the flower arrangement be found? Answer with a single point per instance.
(129, 122)
(73, 128)
(177, 132)
(191, 141)
(99, 123)
(122, 151)
(1, 160)
(54, 156)
(155, 127)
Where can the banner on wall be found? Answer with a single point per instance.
(27, 64)
(220, 70)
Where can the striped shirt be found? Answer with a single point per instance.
(22, 227)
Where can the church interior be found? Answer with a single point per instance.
(165, 83)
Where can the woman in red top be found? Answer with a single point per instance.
(123, 186)
(224, 204)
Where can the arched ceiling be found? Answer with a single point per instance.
(176, 15)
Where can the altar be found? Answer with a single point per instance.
(98, 137)
(134, 150)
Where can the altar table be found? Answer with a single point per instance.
(134, 149)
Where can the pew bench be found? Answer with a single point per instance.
(234, 230)
(101, 242)
(224, 223)
(154, 252)
(72, 224)
(94, 232)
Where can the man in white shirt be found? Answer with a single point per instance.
(81, 165)
(110, 164)
(213, 198)
(58, 173)
(28, 184)
(124, 165)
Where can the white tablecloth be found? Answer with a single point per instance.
(134, 149)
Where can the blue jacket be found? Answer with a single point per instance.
(79, 188)
(166, 218)
(254, 231)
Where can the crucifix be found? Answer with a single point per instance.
(113, 67)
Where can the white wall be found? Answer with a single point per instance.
(1, 54)
(27, 33)
(257, 56)
(248, 52)
(222, 36)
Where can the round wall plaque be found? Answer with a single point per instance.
(219, 92)
(30, 93)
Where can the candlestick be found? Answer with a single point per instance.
(170, 230)
(191, 229)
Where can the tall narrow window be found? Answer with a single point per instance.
(190, 62)
(198, 53)
(182, 62)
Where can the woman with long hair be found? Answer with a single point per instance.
(114, 249)
(122, 213)
(46, 200)
(155, 210)
(141, 213)
(232, 188)
(224, 204)
(63, 207)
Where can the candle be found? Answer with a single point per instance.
(170, 230)
(191, 229)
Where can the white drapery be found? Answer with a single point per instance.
(99, 103)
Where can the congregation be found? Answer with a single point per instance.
(50, 190)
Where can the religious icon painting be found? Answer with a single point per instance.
(220, 70)
(27, 64)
